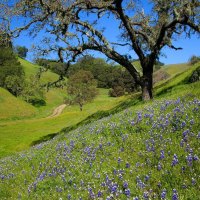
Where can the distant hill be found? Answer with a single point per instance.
(31, 69)
(12, 107)
(15, 108)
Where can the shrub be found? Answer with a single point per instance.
(194, 59)
(116, 91)
(11, 71)
(195, 76)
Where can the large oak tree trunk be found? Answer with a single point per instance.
(147, 82)
(147, 88)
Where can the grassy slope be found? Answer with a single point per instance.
(123, 150)
(176, 68)
(31, 69)
(27, 131)
(12, 107)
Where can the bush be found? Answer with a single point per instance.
(37, 101)
(116, 91)
(21, 51)
(14, 84)
(11, 72)
(81, 88)
(33, 92)
(195, 76)
(194, 59)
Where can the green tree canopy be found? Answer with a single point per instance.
(11, 71)
(81, 88)
(144, 31)
(21, 51)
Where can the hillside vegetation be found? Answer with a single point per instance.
(12, 107)
(148, 151)
(32, 126)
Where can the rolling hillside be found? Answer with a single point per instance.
(31, 69)
(147, 151)
(32, 125)
(12, 107)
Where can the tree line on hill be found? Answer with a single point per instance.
(109, 76)
(12, 76)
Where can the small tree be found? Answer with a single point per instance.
(21, 51)
(33, 92)
(81, 88)
(194, 59)
(11, 72)
(14, 84)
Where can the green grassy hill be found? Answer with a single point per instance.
(31, 69)
(176, 68)
(20, 109)
(17, 135)
(147, 151)
(12, 107)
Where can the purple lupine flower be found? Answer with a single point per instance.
(69, 196)
(146, 195)
(163, 194)
(136, 198)
(175, 160)
(174, 195)
(192, 121)
(114, 188)
(132, 123)
(91, 193)
(146, 178)
(127, 192)
(182, 143)
(119, 160)
(159, 167)
(100, 146)
(99, 194)
(183, 124)
(127, 165)
(162, 154)
(125, 185)
(189, 159)
(195, 157)
(193, 181)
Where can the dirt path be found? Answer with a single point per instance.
(57, 111)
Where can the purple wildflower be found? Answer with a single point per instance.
(127, 192)
(163, 194)
(162, 154)
(175, 160)
(125, 185)
(174, 195)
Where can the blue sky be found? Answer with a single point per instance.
(190, 46)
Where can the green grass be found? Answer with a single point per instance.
(31, 69)
(122, 148)
(12, 108)
(174, 69)
(34, 126)
(178, 79)
(132, 132)
(18, 135)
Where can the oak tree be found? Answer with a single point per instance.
(75, 27)
(81, 88)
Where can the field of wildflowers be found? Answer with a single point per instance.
(152, 153)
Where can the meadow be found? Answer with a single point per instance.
(22, 124)
(18, 135)
(149, 151)
(130, 150)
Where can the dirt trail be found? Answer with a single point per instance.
(57, 111)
